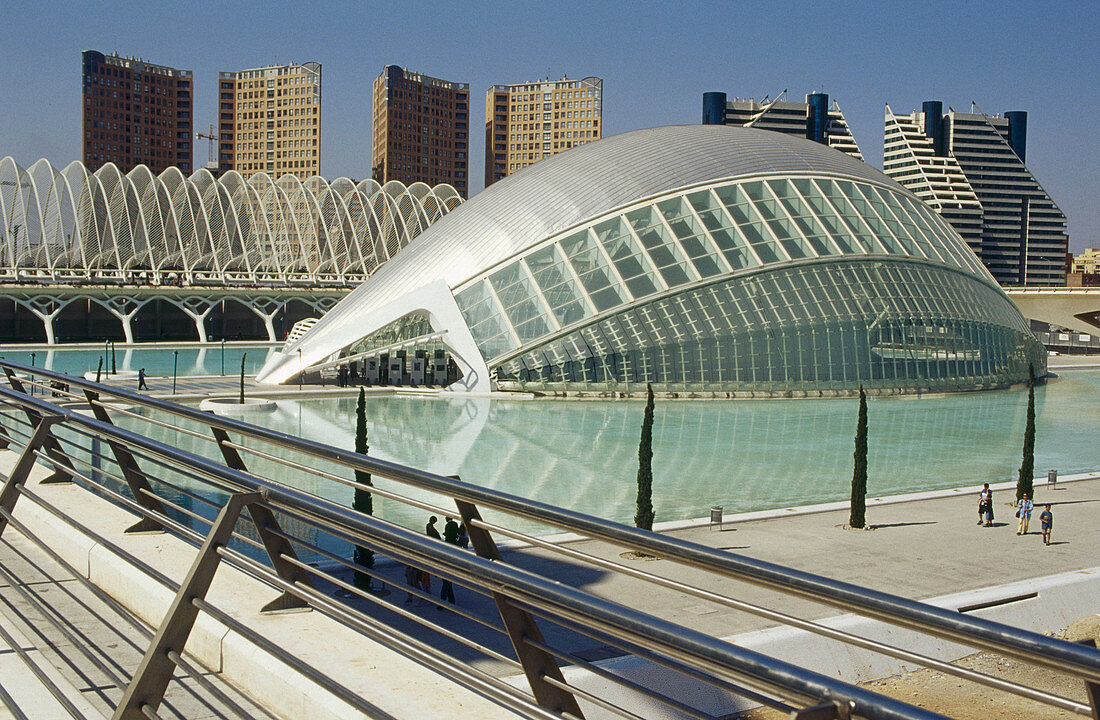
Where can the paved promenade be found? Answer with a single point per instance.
(919, 548)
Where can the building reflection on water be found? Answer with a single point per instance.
(744, 455)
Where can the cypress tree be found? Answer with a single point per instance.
(1027, 466)
(858, 517)
(644, 517)
(363, 502)
(242, 377)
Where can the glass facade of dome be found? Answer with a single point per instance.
(806, 307)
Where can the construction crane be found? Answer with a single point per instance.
(210, 164)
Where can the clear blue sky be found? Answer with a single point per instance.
(656, 58)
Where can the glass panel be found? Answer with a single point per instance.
(476, 304)
(851, 217)
(592, 269)
(703, 200)
(701, 256)
(752, 227)
(665, 254)
(624, 252)
(867, 214)
(899, 232)
(734, 249)
(804, 219)
(558, 287)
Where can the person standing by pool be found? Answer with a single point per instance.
(1023, 511)
(141, 380)
(985, 506)
(1046, 518)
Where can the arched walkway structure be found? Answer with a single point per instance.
(73, 226)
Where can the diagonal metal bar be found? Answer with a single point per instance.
(135, 478)
(146, 688)
(17, 478)
(521, 626)
(52, 448)
(280, 552)
(232, 458)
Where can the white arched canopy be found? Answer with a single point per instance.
(112, 227)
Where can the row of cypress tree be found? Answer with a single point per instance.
(644, 515)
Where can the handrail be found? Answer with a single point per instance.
(984, 634)
(527, 592)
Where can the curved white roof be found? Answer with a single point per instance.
(565, 190)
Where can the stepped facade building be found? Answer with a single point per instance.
(970, 167)
(813, 119)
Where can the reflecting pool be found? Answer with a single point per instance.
(743, 455)
(193, 359)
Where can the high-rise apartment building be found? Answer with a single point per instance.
(420, 129)
(269, 120)
(813, 119)
(970, 168)
(527, 122)
(135, 113)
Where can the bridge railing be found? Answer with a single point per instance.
(130, 450)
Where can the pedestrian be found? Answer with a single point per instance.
(446, 592)
(450, 531)
(430, 529)
(141, 380)
(985, 505)
(463, 537)
(1023, 511)
(1047, 520)
(412, 579)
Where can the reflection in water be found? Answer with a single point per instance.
(157, 361)
(744, 455)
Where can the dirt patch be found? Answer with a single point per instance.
(964, 700)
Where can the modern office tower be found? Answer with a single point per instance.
(970, 168)
(420, 129)
(135, 113)
(527, 122)
(813, 119)
(269, 120)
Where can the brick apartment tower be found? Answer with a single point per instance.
(135, 113)
(420, 129)
(269, 120)
(527, 122)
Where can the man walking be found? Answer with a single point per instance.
(1046, 518)
(1023, 511)
(141, 380)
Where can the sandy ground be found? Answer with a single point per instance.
(964, 700)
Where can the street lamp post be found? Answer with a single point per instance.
(175, 364)
(223, 357)
(32, 365)
(301, 370)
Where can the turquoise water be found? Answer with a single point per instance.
(157, 361)
(743, 455)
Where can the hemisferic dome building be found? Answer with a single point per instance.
(696, 258)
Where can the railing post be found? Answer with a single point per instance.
(278, 548)
(520, 625)
(61, 462)
(150, 680)
(17, 478)
(135, 478)
(1093, 691)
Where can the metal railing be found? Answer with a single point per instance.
(202, 500)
